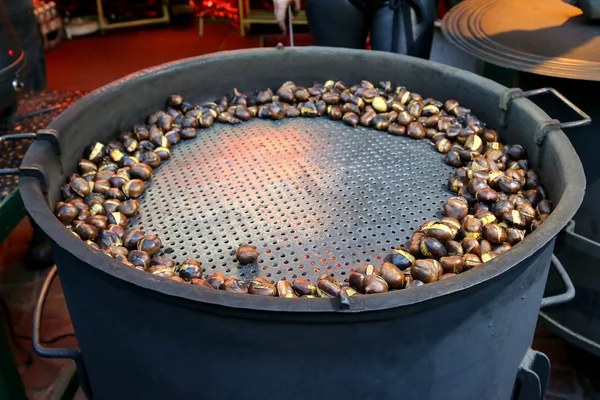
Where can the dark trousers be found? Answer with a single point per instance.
(345, 23)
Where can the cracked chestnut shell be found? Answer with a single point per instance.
(262, 287)
(150, 244)
(234, 285)
(401, 257)
(452, 264)
(129, 208)
(432, 248)
(494, 233)
(189, 269)
(139, 258)
(284, 289)
(367, 269)
(117, 218)
(426, 270)
(134, 188)
(215, 280)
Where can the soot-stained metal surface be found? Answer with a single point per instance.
(313, 196)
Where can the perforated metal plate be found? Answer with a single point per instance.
(312, 195)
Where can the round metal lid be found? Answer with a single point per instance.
(546, 37)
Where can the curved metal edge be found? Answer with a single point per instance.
(48, 352)
(533, 376)
(581, 243)
(570, 335)
(494, 53)
(107, 268)
(566, 296)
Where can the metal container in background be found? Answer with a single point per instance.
(557, 46)
(578, 246)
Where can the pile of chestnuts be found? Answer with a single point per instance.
(498, 201)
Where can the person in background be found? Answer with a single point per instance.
(20, 13)
(346, 23)
(23, 20)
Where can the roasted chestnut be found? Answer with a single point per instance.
(452, 264)
(304, 287)
(141, 171)
(284, 289)
(134, 188)
(189, 269)
(374, 284)
(261, 287)
(392, 275)
(426, 270)
(234, 285)
(456, 207)
(432, 248)
(246, 254)
(149, 243)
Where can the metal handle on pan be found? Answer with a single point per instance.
(566, 296)
(533, 376)
(582, 122)
(48, 352)
(5, 138)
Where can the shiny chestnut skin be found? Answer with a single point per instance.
(471, 261)
(367, 269)
(401, 257)
(426, 270)
(234, 285)
(432, 248)
(392, 275)
(66, 213)
(129, 208)
(375, 284)
(356, 280)
(494, 233)
(150, 244)
(456, 207)
(189, 269)
(133, 188)
(139, 258)
(246, 254)
(262, 287)
(141, 171)
(471, 245)
(117, 218)
(304, 287)
(284, 289)
(438, 231)
(215, 280)
(452, 264)
(453, 248)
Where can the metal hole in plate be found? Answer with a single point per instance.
(313, 196)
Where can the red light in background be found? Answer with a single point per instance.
(10, 53)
